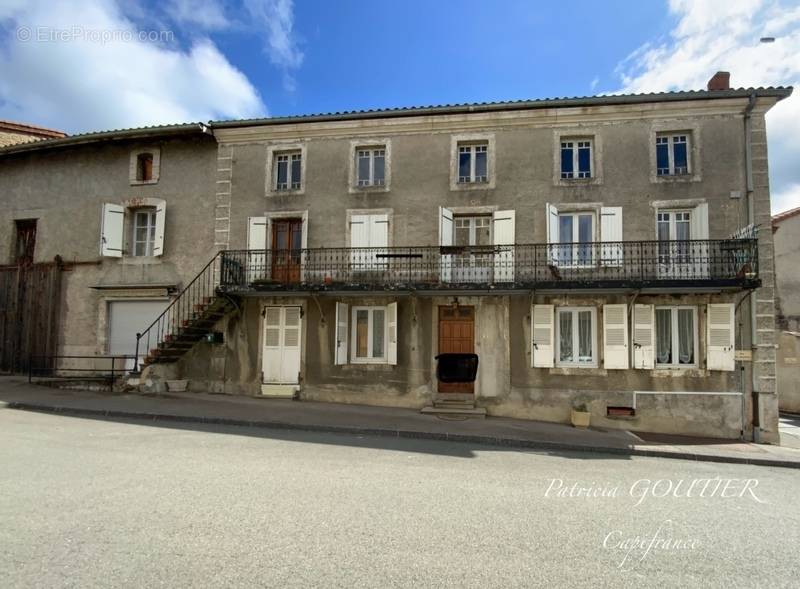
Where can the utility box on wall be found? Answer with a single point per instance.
(215, 337)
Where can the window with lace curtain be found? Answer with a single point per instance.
(676, 337)
(575, 336)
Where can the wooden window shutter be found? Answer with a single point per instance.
(112, 230)
(542, 351)
(340, 354)
(611, 235)
(503, 233)
(720, 329)
(615, 336)
(391, 349)
(644, 336)
(161, 218)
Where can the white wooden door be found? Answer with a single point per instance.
(281, 354)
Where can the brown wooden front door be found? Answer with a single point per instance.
(287, 235)
(456, 335)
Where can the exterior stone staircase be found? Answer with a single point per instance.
(187, 320)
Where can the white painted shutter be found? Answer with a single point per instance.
(719, 337)
(340, 356)
(112, 230)
(615, 336)
(611, 235)
(699, 221)
(446, 239)
(256, 240)
(161, 217)
(391, 350)
(359, 238)
(700, 253)
(378, 238)
(503, 232)
(542, 336)
(256, 233)
(643, 336)
(271, 362)
(551, 214)
(378, 230)
(290, 354)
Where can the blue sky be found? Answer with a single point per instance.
(360, 55)
(84, 65)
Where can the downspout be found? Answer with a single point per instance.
(748, 158)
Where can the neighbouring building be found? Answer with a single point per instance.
(786, 235)
(612, 251)
(12, 133)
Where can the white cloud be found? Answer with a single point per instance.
(713, 35)
(276, 17)
(83, 82)
(206, 14)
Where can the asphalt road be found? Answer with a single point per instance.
(92, 503)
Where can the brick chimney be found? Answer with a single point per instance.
(720, 81)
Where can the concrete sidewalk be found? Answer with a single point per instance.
(16, 393)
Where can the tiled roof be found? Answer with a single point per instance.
(778, 92)
(785, 215)
(16, 127)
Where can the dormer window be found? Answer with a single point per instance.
(144, 167)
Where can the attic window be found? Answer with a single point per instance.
(144, 167)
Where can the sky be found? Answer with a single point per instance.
(88, 65)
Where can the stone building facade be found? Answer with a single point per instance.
(593, 251)
(786, 235)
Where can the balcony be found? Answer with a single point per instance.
(627, 265)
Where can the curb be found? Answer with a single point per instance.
(400, 433)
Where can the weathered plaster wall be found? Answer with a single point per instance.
(525, 181)
(787, 303)
(787, 273)
(65, 189)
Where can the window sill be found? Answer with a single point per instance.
(588, 370)
(593, 181)
(143, 182)
(287, 192)
(683, 178)
(467, 186)
(369, 366)
(678, 372)
(369, 189)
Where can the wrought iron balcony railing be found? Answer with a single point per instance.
(626, 264)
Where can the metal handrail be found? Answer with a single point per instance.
(732, 262)
(112, 374)
(530, 264)
(202, 287)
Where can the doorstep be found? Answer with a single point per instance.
(279, 391)
(466, 410)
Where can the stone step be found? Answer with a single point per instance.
(476, 412)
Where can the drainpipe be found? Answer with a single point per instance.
(748, 157)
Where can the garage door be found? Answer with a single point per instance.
(125, 319)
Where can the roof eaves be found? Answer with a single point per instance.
(785, 215)
(779, 92)
(114, 135)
